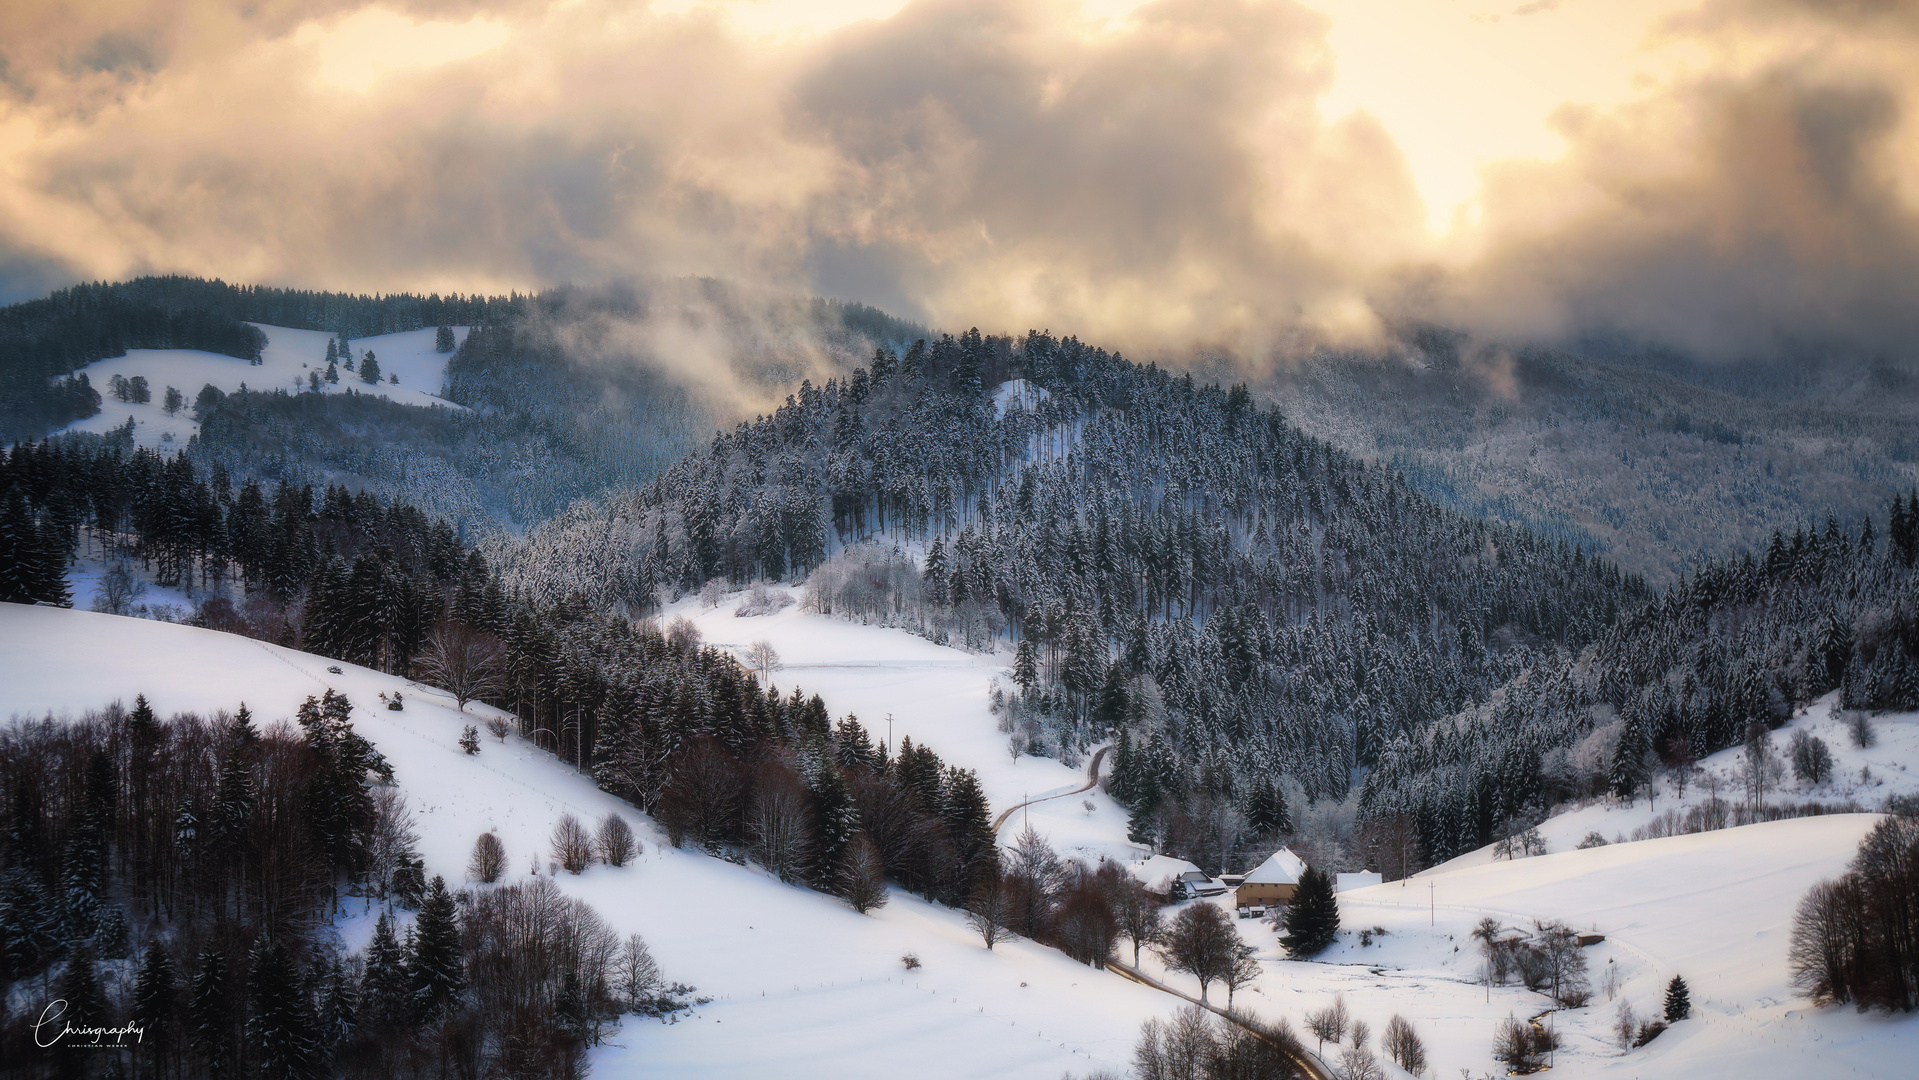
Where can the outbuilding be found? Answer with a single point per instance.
(1360, 880)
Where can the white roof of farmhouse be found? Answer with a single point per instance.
(1283, 868)
(1159, 872)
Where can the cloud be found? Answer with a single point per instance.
(1165, 181)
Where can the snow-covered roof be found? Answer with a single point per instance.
(1282, 868)
(1342, 882)
(1159, 872)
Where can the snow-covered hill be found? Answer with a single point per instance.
(285, 363)
(803, 987)
(1715, 908)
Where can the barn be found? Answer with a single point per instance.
(1273, 881)
(1173, 880)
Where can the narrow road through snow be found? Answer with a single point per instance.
(1308, 1063)
(1092, 778)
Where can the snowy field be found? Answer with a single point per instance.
(285, 362)
(805, 988)
(939, 696)
(1715, 908)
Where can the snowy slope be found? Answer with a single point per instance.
(285, 362)
(1862, 777)
(1713, 907)
(803, 986)
(939, 696)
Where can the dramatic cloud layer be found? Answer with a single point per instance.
(1165, 178)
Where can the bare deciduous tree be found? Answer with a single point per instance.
(1404, 1046)
(638, 975)
(779, 823)
(390, 848)
(989, 910)
(1200, 942)
(1328, 1025)
(572, 847)
(763, 658)
(863, 881)
(118, 590)
(489, 859)
(464, 662)
(615, 841)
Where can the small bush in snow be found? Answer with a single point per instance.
(763, 601)
(470, 739)
(1592, 840)
(911, 961)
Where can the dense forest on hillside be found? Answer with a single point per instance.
(679, 729)
(573, 392)
(1655, 462)
(1245, 601)
(1727, 651)
(176, 876)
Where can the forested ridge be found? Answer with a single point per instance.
(1738, 643)
(1243, 600)
(43, 340)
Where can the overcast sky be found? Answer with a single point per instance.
(1257, 176)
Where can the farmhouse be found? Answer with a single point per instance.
(1273, 881)
(1173, 879)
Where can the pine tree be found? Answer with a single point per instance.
(470, 739)
(339, 1009)
(1026, 665)
(435, 977)
(210, 1010)
(155, 999)
(969, 822)
(1678, 1000)
(443, 339)
(369, 368)
(80, 988)
(20, 570)
(1312, 918)
(837, 818)
(281, 1030)
(1630, 768)
(383, 983)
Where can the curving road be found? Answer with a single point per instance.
(1092, 778)
(1309, 1064)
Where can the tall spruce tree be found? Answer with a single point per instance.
(1678, 1000)
(282, 1032)
(210, 1011)
(435, 975)
(155, 1003)
(1311, 921)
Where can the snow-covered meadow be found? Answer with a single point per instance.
(803, 987)
(290, 355)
